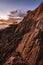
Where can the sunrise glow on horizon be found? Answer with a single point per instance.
(4, 17)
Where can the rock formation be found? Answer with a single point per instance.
(22, 44)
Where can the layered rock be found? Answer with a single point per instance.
(23, 43)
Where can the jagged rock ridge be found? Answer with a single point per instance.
(22, 44)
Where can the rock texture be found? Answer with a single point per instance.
(22, 44)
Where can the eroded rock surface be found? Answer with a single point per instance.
(22, 44)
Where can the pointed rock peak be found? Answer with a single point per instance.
(41, 6)
(39, 9)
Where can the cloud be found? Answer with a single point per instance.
(17, 14)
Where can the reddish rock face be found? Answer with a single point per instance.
(35, 13)
(22, 44)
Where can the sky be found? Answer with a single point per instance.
(6, 6)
